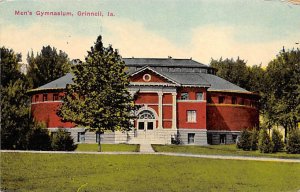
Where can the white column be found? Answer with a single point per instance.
(174, 111)
(160, 110)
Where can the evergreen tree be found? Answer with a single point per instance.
(277, 140)
(47, 66)
(38, 138)
(293, 142)
(99, 98)
(245, 140)
(265, 143)
(62, 141)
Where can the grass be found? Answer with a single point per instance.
(108, 147)
(139, 173)
(219, 150)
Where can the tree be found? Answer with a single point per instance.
(99, 99)
(15, 120)
(265, 144)
(38, 138)
(282, 90)
(245, 140)
(277, 140)
(293, 142)
(62, 141)
(234, 71)
(47, 65)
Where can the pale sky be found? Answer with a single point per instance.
(254, 30)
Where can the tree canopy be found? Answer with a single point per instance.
(47, 65)
(99, 98)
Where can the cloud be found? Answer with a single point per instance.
(133, 39)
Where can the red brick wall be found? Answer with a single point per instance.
(145, 98)
(46, 112)
(231, 117)
(199, 107)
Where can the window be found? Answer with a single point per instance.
(209, 100)
(184, 96)
(234, 138)
(233, 100)
(45, 97)
(36, 99)
(191, 116)
(199, 96)
(191, 138)
(81, 137)
(222, 139)
(242, 102)
(221, 99)
(141, 126)
(55, 97)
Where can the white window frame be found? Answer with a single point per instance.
(191, 116)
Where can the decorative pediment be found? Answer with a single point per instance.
(150, 76)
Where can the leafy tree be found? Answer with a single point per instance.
(62, 141)
(265, 144)
(293, 142)
(277, 139)
(15, 120)
(47, 65)
(99, 99)
(38, 138)
(234, 71)
(282, 90)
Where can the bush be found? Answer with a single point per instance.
(265, 144)
(38, 138)
(293, 142)
(245, 140)
(254, 139)
(62, 141)
(277, 140)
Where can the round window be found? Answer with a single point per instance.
(147, 77)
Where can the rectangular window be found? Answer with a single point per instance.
(55, 97)
(199, 96)
(221, 99)
(45, 97)
(242, 102)
(150, 125)
(233, 100)
(81, 137)
(36, 98)
(191, 138)
(141, 125)
(191, 116)
(209, 100)
(184, 96)
(234, 138)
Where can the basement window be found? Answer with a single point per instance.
(191, 138)
(222, 138)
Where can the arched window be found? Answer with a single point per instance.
(146, 115)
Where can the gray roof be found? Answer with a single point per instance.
(163, 62)
(59, 83)
(214, 82)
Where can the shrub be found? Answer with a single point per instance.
(293, 142)
(38, 138)
(277, 140)
(254, 139)
(62, 141)
(244, 141)
(265, 144)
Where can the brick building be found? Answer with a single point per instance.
(178, 97)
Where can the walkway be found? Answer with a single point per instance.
(145, 150)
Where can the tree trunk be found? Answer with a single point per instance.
(99, 142)
(285, 134)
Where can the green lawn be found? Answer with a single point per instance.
(218, 150)
(108, 147)
(138, 173)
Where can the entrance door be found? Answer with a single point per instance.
(145, 123)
